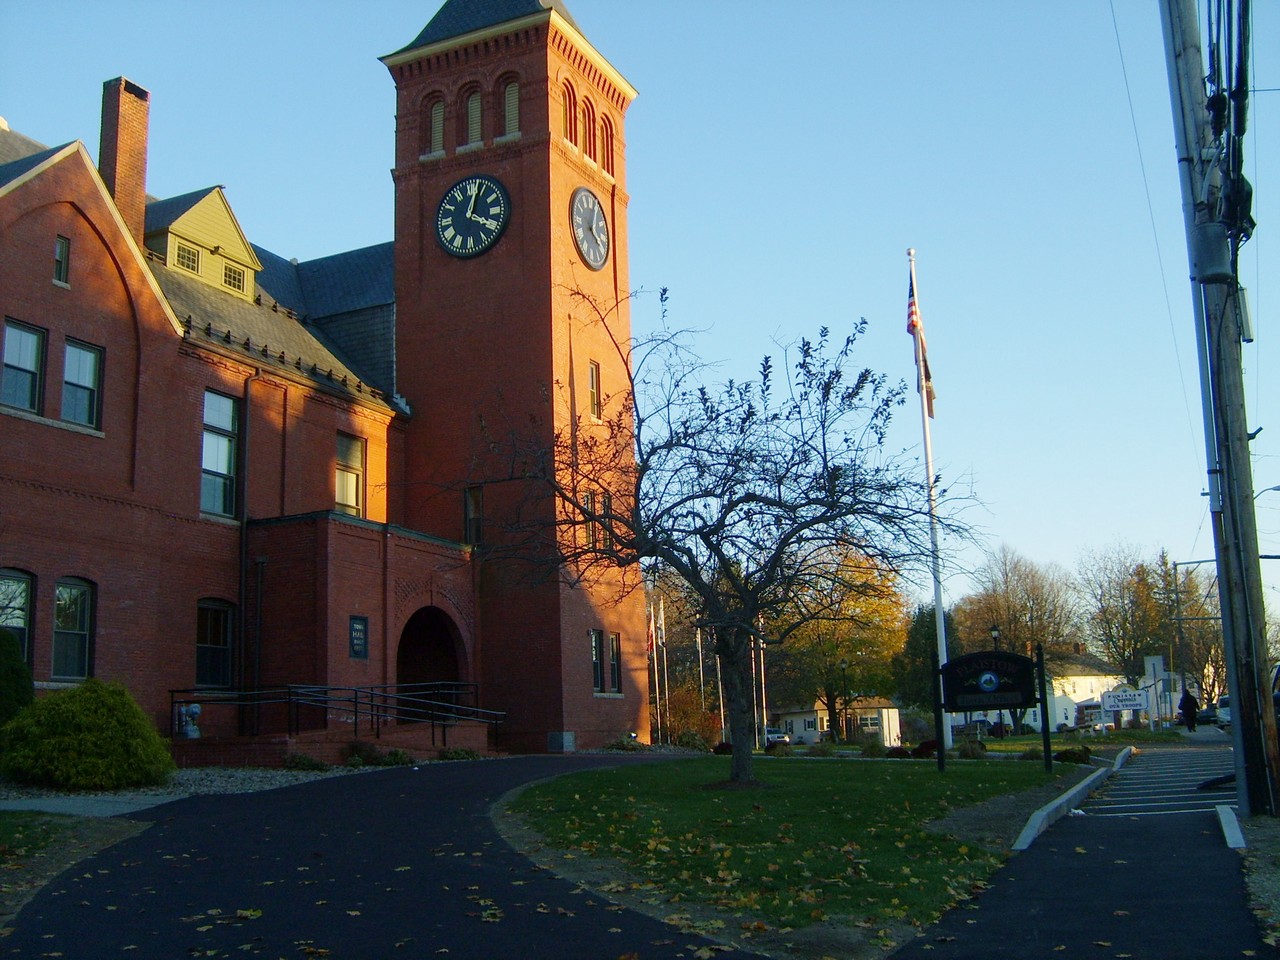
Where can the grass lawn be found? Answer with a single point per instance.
(818, 839)
(23, 833)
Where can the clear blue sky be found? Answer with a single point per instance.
(781, 159)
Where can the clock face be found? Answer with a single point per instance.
(590, 228)
(472, 215)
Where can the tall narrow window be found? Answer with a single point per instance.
(72, 630)
(473, 515)
(593, 389)
(615, 663)
(474, 129)
(570, 115)
(81, 384)
(218, 460)
(23, 361)
(588, 129)
(606, 521)
(435, 142)
(15, 606)
(350, 475)
(62, 260)
(511, 108)
(606, 145)
(213, 643)
(593, 529)
(597, 660)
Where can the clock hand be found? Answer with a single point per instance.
(471, 207)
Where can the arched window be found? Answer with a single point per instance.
(435, 128)
(474, 129)
(16, 590)
(570, 104)
(511, 109)
(588, 129)
(606, 145)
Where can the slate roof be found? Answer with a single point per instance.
(16, 168)
(264, 331)
(14, 146)
(459, 17)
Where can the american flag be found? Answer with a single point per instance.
(915, 327)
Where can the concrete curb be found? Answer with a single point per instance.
(1041, 820)
(1231, 831)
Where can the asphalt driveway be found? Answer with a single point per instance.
(396, 863)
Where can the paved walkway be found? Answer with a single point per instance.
(401, 863)
(1153, 884)
(406, 863)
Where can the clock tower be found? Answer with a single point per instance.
(511, 293)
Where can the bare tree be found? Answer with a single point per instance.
(1030, 603)
(746, 490)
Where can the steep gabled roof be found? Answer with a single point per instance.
(161, 214)
(16, 168)
(460, 17)
(14, 146)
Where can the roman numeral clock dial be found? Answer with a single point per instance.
(590, 228)
(472, 215)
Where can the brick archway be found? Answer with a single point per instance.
(430, 649)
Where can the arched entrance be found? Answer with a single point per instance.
(430, 649)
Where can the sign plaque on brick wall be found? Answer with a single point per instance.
(358, 638)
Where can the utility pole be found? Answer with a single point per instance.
(1216, 200)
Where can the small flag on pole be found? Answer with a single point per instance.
(651, 629)
(915, 327)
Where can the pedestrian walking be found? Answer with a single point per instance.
(1189, 707)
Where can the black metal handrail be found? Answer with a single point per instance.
(441, 704)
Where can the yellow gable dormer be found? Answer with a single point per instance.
(198, 233)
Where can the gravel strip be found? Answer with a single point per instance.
(191, 781)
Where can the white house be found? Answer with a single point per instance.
(863, 717)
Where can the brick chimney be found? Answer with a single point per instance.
(122, 153)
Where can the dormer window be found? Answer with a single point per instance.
(233, 277)
(188, 258)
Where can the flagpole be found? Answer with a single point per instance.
(662, 632)
(657, 686)
(925, 387)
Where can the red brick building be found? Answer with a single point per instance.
(227, 472)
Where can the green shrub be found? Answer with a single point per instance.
(776, 749)
(898, 753)
(1031, 753)
(366, 754)
(92, 737)
(459, 753)
(1073, 755)
(627, 744)
(823, 748)
(692, 740)
(300, 761)
(873, 749)
(16, 689)
(971, 750)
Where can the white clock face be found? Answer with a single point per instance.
(472, 215)
(590, 228)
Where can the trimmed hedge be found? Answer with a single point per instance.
(92, 737)
(16, 689)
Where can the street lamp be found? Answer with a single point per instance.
(1265, 490)
(995, 637)
(844, 692)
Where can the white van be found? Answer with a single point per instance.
(1224, 712)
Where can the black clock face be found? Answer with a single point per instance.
(472, 215)
(590, 228)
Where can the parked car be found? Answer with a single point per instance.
(773, 735)
(1224, 712)
(1207, 716)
